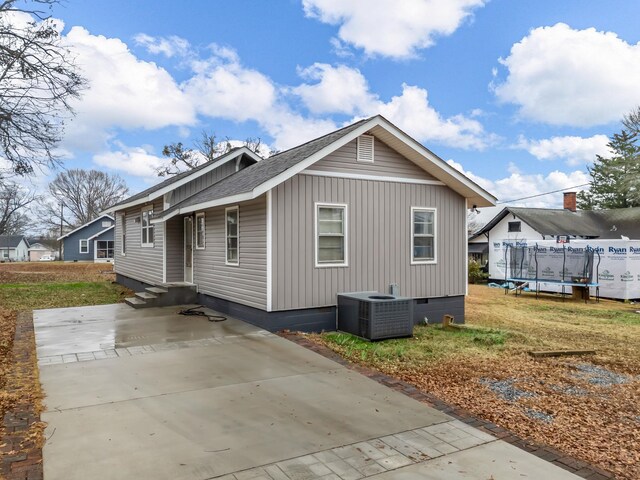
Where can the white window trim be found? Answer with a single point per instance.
(123, 234)
(80, 246)
(204, 233)
(345, 227)
(226, 235)
(435, 236)
(148, 244)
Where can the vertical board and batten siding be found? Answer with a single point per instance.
(174, 237)
(203, 182)
(140, 263)
(387, 163)
(379, 241)
(246, 283)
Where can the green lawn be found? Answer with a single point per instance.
(31, 296)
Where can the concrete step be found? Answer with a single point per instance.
(156, 290)
(146, 295)
(135, 302)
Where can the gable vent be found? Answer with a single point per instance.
(365, 148)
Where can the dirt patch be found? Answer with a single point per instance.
(42, 272)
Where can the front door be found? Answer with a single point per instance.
(188, 249)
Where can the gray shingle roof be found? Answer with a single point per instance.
(603, 224)
(172, 180)
(10, 241)
(249, 178)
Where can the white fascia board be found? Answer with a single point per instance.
(85, 225)
(183, 181)
(422, 150)
(242, 197)
(101, 232)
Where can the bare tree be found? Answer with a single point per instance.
(37, 81)
(207, 148)
(79, 196)
(631, 122)
(13, 203)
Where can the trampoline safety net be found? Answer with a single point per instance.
(552, 264)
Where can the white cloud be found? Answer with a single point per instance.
(222, 87)
(573, 150)
(136, 161)
(338, 89)
(345, 90)
(168, 46)
(518, 185)
(412, 112)
(563, 76)
(393, 28)
(123, 92)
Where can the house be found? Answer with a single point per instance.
(91, 242)
(274, 241)
(613, 231)
(14, 248)
(37, 250)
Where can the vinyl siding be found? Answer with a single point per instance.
(203, 182)
(387, 163)
(140, 263)
(246, 283)
(71, 244)
(379, 242)
(175, 253)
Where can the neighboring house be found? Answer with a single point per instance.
(14, 248)
(38, 250)
(274, 241)
(91, 242)
(525, 226)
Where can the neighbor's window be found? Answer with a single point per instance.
(84, 246)
(515, 227)
(232, 233)
(147, 227)
(331, 240)
(200, 231)
(104, 249)
(423, 235)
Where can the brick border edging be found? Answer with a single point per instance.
(556, 457)
(27, 463)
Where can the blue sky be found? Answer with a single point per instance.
(519, 95)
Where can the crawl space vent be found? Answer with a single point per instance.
(365, 148)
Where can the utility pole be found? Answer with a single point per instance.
(61, 218)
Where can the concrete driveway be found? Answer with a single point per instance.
(152, 394)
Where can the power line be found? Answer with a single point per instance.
(542, 194)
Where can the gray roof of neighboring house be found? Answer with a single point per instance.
(250, 177)
(605, 224)
(11, 241)
(172, 179)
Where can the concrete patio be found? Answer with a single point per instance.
(153, 394)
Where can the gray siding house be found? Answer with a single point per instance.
(91, 242)
(274, 241)
(14, 248)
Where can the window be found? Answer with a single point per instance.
(147, 227)
(104, 249)
(232, 233)
(423, 235)
(515, 227)
(106, 223)
(331, 240)
(200, 231)
(123, 234)
(84, 246)
(364, 148)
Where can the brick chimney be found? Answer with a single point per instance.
(570, 201)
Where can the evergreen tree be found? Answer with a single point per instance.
(615, 180)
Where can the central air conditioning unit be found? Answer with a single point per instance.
(374, 315)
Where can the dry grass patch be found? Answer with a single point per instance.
(587, 407)
(40, 272)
